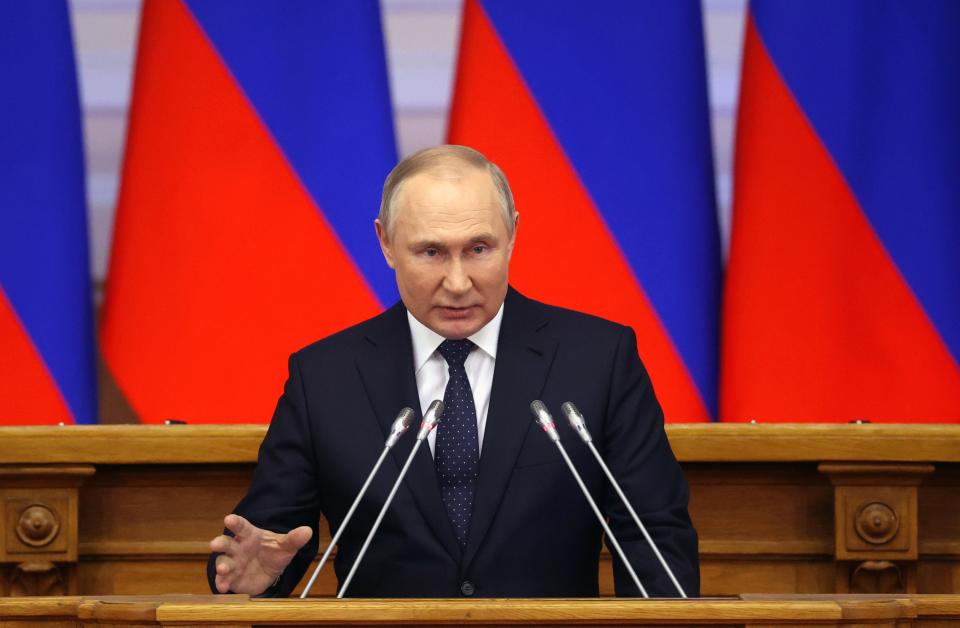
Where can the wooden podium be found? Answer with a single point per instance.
(237, 611)
(780, 509)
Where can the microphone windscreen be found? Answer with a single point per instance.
(576, 421)
(543, 418)
(435, 409)
(538, 408)
(569, 408)
(405, 417)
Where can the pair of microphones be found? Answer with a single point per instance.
(575, 418)
(400, 425)
(542, 416)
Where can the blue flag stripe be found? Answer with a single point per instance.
(623, 86)
(44, 257)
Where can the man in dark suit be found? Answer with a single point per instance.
(489, 509)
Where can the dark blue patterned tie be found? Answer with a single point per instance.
(457, 450)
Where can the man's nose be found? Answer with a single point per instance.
(457, 280)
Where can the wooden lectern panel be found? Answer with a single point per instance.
(764, 499)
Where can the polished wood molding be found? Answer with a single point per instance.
(131, 444)
(536, 611)
(902, 474)
(691, 442)
(796, 442)
(239, 610)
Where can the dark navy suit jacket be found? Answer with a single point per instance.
(532, 534)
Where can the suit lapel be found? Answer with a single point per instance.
(386, 369)
(523, 361)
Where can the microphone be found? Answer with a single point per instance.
(580, 427)
(400, 425)
(430, 419)
(542, 417)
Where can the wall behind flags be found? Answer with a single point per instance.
(421, 38)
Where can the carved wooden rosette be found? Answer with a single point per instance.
(875, 523)
(38, 528)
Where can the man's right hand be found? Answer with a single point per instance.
(252, 559)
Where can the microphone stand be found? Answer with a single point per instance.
(580, 426)
(400, 425)
(543, 418)
(430, 420)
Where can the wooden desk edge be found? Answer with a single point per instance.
(692, 442)
(484, 611)
(176, 609)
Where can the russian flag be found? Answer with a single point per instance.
(47, 358)
(260, 135)
(843, 289)
(598, 114)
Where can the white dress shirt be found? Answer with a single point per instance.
(432, 373)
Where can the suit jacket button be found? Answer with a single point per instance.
(467, 588)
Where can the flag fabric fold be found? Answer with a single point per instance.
(259, 136)
(598, 114)
(842, 299)
(47, 357)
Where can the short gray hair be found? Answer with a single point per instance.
(436, 157)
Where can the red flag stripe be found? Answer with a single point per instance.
(29, 393)
(222, 265)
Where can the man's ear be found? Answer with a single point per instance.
(516, 225)
(384, 240)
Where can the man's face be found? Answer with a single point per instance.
(450, 249)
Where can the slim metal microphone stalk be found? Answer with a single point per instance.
(580, 427)
(430, 419)
(400, 425)
(543, 418)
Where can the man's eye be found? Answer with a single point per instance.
(479, 249)
(431, 252)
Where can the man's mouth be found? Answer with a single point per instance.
(456, 312)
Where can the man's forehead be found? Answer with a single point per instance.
(440, 221)
(446, 175)
(449, 171)
(446, 192)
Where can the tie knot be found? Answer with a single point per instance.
(455, 352)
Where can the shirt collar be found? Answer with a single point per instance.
(426, 341)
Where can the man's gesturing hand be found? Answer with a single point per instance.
(252, 559)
